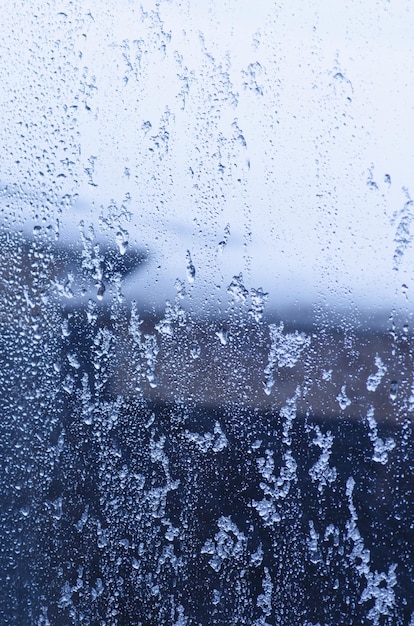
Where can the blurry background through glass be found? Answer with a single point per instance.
(207, 383)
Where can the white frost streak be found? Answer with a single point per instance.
(343, 399)
(285, 351)
(277, 487)
(381, 447)
(379, 586)
(374, 380)
(264, 601)
(321, 472)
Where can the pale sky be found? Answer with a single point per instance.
(291, 122)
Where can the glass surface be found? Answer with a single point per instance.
(206, 388)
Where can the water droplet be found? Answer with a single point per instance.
(393, 390)
(25, 510)
(100, 290)
(122, 241)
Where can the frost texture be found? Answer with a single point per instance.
(403, 235)
(229, 544)
(379, 586)
(321, 472)
(277, 488)
(264, 601)
(374, 380)
(147, 477)
(237, 289)
(285, 351)
(381, 447)
(343, 399)
(215, 441)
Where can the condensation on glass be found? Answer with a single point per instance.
(206, 311)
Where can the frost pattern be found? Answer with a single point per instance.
(264, 601)
(215, 441)
(277, 487)
(403, 235)
(343, 399)
(321, 472)
(381, 447)
(374, 380)
(285, 351)
(228, 544)
(379, 586)
(237, 289)
(240, 293)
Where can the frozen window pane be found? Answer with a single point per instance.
(206, 314)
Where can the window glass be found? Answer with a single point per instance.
(206, 313)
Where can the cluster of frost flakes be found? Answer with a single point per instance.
(181, 620)
(285, 351)
(381, 447)
(379, 586)
(256, 558)
(343, 399)
(228, 544)
(157, 453)
(92, 260)
(68, 590)
(190, 269)
(264, 601)
(102, 347)
(215, 441)
(151, 350)
(91, 312)
(359, 556)
(223, 336)
(380, 589)
(157, 496)
(332, 537)
(288, 414)
(73, 360)
(258, 299)
(374, 380)
(261, 622)
(237, 289)
(313, 544)
(276, 487)
(240, 294)
(113, 219)
(174, 313)
(321, 472)
(327, 375)
(403, 235)
(135, 323)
